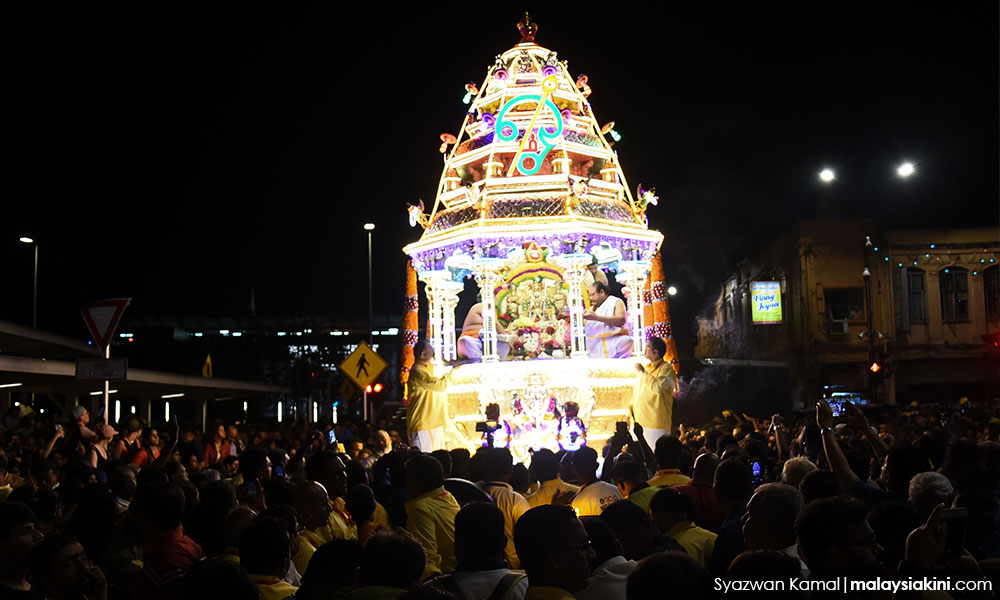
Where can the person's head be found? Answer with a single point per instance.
(361, 503)
(479, 533)
(105, 433)
(656, 349)
(929, 489)
(460, 462)
(599, 292)
(566, 467)
(672, 571)
(235, 522)
(217, 431)
(423, 474)
(704, 469)
(545, 465)
(602, 539)
(553, 547)
(628, 476)
(216, 578)
(265, 547)
(901, 463)
(498, 464)
(892, 521)
(44, 474)
(764, 565)
(769, 523)
(150, 438)
(668, 452)
(836, 540)
(732, 484)
(80, 414)
(585, 464)
(795, 469)
(255, 464)
(423, 350)
(60, 567)
(632, 527)
(819, 484)
(331, 569)
(233, 433)
(311, 504)
(392, 559)
(19, 534)
(668, 507)
(325, 467)
(160, 508)
(354, 447)
(443, 457)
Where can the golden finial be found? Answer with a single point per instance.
(528, 28)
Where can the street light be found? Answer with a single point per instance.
(369, 227)
(905, 170)
(34, 294)
(827, 175)
(672, 291)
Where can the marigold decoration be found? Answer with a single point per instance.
(661, 312)
(647, 309)
(410, 323)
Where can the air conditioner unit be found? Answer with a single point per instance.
(839, 327)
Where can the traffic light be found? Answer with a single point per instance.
(875, 367)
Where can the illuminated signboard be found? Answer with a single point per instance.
(766, 302)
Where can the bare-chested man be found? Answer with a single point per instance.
(470, 345)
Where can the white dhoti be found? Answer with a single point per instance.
(607, 341)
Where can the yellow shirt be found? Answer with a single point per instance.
(381, 516)
(309, 541)
(698, 542)
(653, 397)
(428, 400)
(339, 525)
(668, 477)
(430, 517)
(272, 588)
(548, 490)
(512, 505)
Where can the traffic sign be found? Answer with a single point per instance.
(347, 390)
(102, 318)
(102, 368)
(363, 365)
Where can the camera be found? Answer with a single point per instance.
(487, 426)
(837, 407)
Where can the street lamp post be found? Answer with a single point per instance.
(369, 227)
(34, 293)
(869, 321)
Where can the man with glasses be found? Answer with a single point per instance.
(555, 552)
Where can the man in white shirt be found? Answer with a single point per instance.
(498, 466)
(607, 336)
(479, 547)
(594, 495)
(611, 569)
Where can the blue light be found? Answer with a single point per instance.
(901, 264)
(876, 248)
(947, 270)
(886, 259)
(927, 256)
(914, 263)
(932, 246)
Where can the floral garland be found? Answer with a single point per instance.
(410, 324)
(661, 311)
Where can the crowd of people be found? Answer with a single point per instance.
(91, 510)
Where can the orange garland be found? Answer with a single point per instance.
(411, 324)
(661, 311)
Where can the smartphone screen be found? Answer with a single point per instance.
(756, 472)
(280, 471)
(332, 436)
(251, 488)
(837, 407)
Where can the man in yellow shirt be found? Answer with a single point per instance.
(326, 469)
(312, 506)
(430, 513)
(668, 453)
(545, 465)
(653, 394)
(427, 407)
(672, 512)
(264, 553)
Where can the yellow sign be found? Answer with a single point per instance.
(347, 389)
(363, 365)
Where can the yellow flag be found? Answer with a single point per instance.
(206, 369)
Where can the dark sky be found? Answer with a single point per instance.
(180, 156)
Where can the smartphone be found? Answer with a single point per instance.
(332, 436)
(251, 488)
(58, 427)
(837, 407)
(621, 428)
(957, 520)
(279, 471)
(340, 448)
(756, 472)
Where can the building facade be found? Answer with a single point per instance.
(934, 311)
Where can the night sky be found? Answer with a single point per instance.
(180, 156)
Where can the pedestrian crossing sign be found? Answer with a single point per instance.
(363, 365)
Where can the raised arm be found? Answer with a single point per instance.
(834, 455)
(857, 419)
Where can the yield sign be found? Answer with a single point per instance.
(102, 318)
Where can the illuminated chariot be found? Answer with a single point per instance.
(530, 197)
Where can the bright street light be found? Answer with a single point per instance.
(827, 175)
(369, 226)
(27, 240)
(905, 170)
(672, 291)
